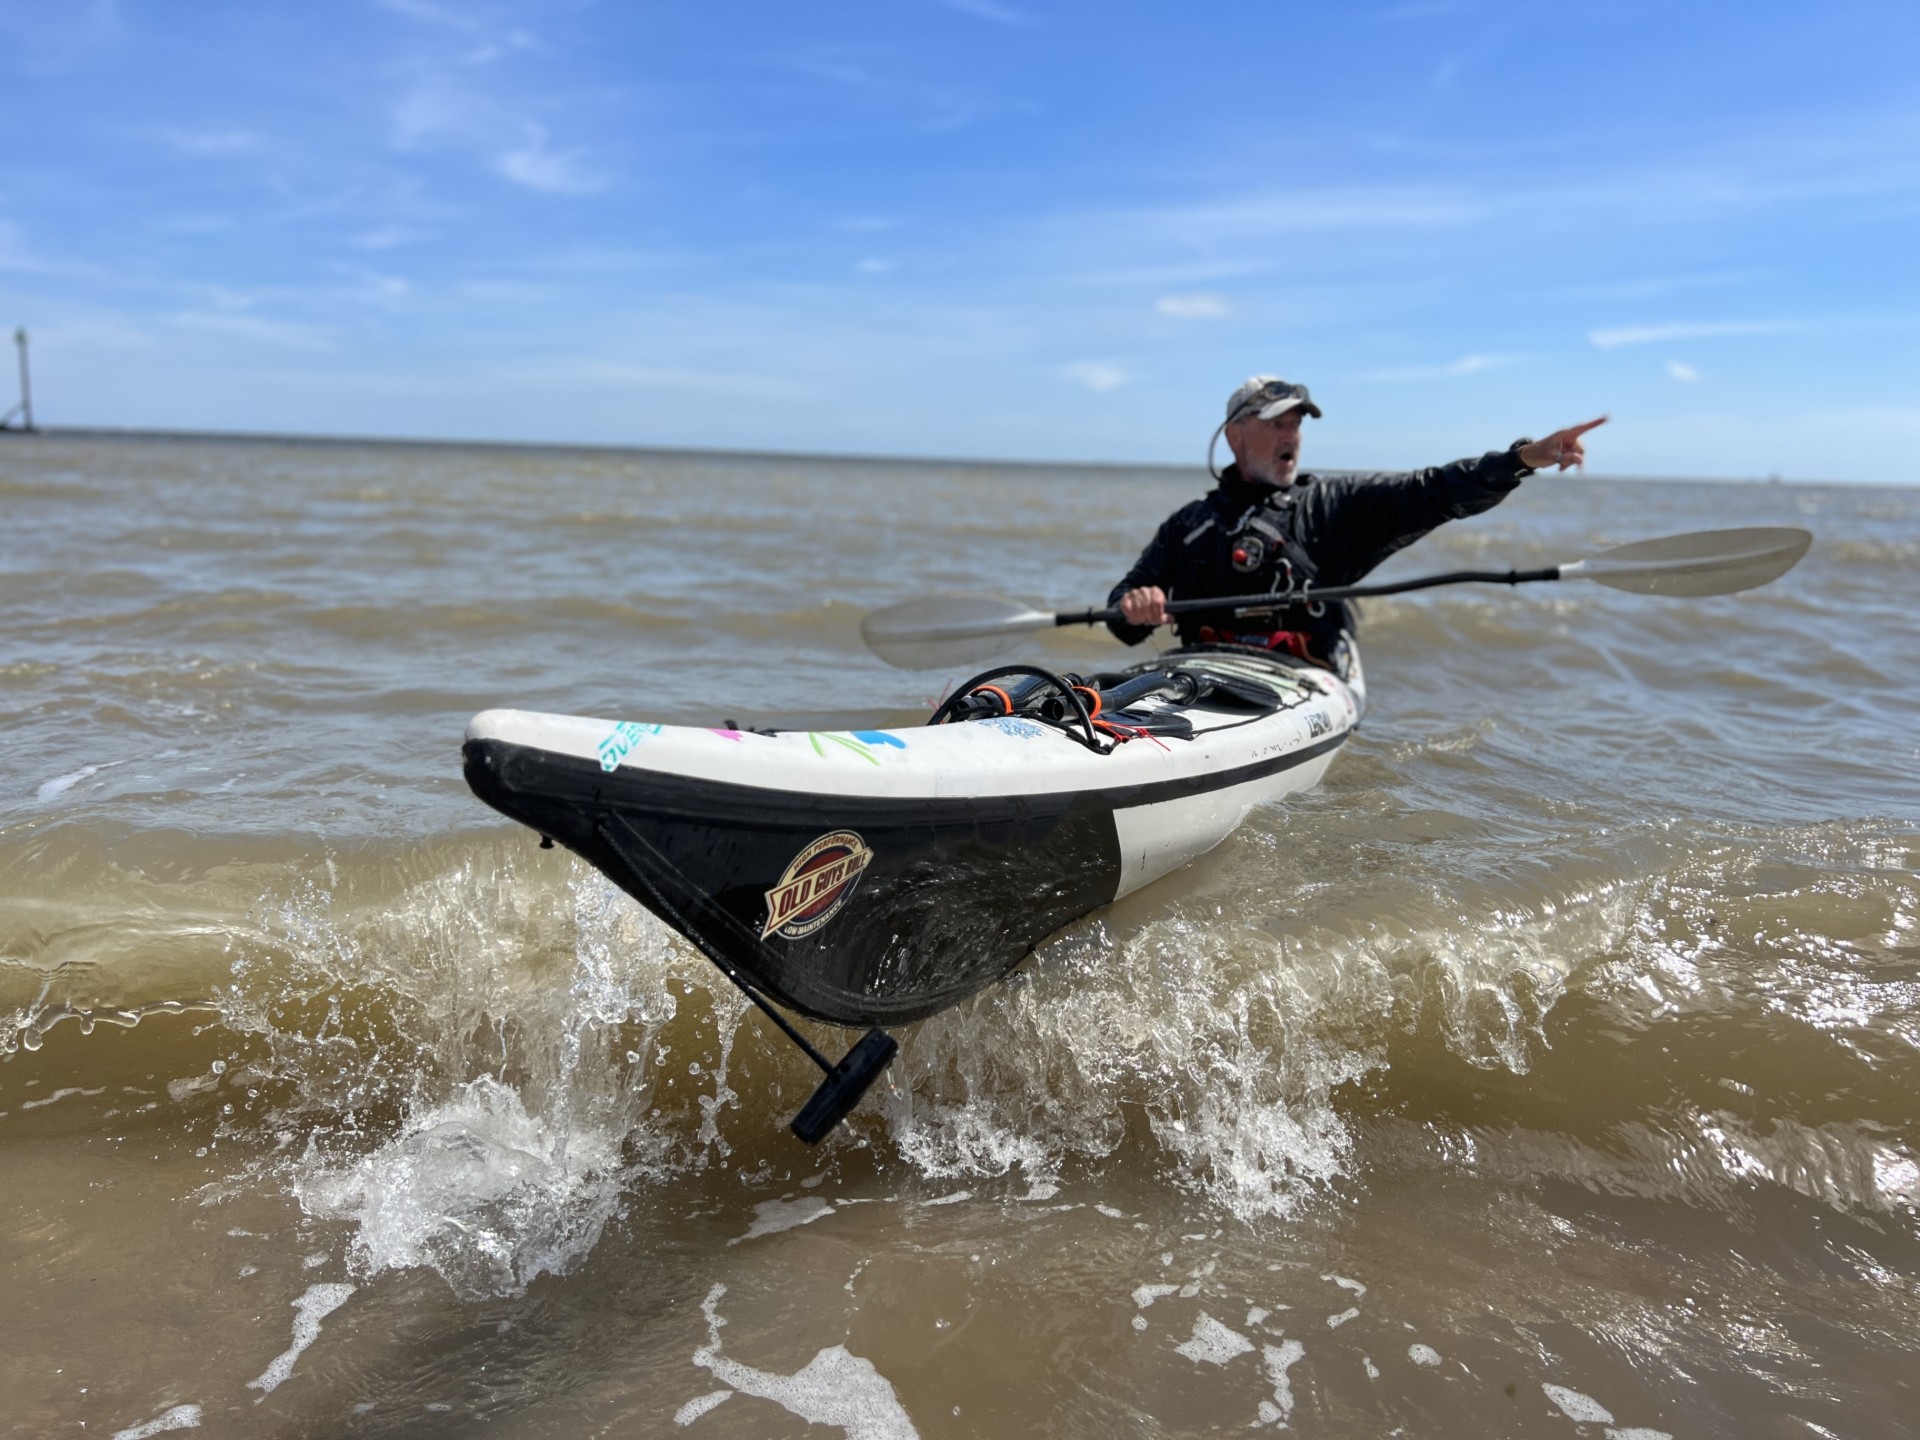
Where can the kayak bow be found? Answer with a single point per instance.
(875, 877)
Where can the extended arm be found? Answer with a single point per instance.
(1356, 522)
(1353, 522)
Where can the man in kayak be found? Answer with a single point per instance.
(1266, 527)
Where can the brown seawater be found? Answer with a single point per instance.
(1553, 1070)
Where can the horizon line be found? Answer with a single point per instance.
(113, 432)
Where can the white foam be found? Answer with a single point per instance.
(954, 1199)
(180, 1417)
(1334, 1322)
(1103, 1033)
(700, 1405)
(1257, 1315)
(1423, 1354)
(773, 1216)
(1637, 1433)
(1147, 1294)
(62, 1094)
(1213, 1343)
(1110, 1212)
(309, 1310)
(1575, 1406)
(182, 1090)
(479, 1190)
(834, 1388)
(1359, 1290)
(53, 789)
(1279, 1359)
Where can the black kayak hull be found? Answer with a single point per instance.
(878, 877)
(957, 892)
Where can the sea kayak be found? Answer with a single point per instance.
(875, 877)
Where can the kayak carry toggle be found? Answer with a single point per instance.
(844, 1085)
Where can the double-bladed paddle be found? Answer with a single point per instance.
(949, 630)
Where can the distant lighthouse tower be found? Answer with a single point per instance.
(25, 408)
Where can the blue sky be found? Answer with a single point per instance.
(994, 228)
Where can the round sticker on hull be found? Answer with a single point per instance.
(820, 879)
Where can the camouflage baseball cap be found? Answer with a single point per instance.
(1265, 396)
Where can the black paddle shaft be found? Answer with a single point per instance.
(1249, 604)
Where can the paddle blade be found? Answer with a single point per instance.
(1702, 562)
(943, 631)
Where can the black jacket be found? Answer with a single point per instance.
(1242, 537)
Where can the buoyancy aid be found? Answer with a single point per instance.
(1245, 545)
(1241, 538)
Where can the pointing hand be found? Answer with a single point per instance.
(1562, 448)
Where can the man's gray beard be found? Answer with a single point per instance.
(1268, 480)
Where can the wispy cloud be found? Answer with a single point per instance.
(1097, 376)
(988, 10)
(1428, 10)
(862, 67)
(664, 377)
(1292, 210)
(440, 112)
(1613, 339)
(238, 325)
(13, 250)
(1451, 370)
(1647, 287)
(202, 224)
(96, 331)
(387, 237)
(881, 77)
(558, 172)
(445, 16)
(372, 286)
(1229, 226)
(508, 292)
(52, 38)
(435, 111)
(210, 142)
(1201, 305)
(1683, 372)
